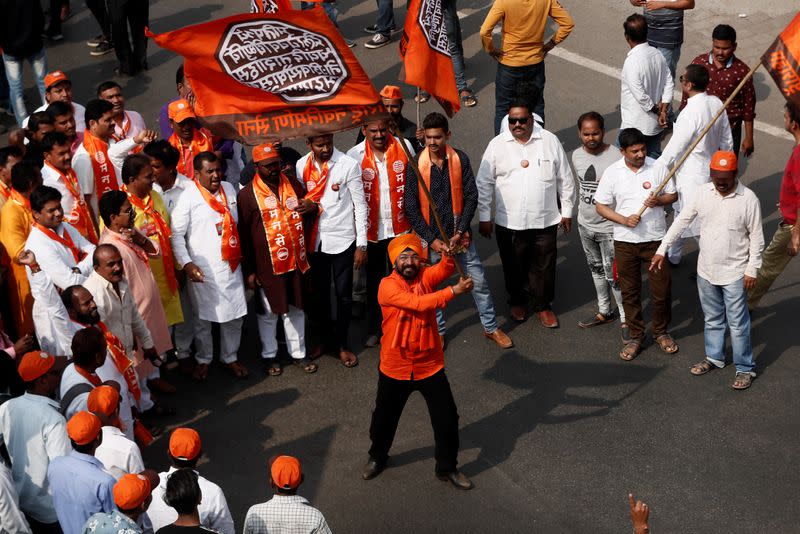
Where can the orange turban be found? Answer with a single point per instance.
(391, 92)
(724, 160)
(402, 242)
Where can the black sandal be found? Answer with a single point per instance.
(468, 98)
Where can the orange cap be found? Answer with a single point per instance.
(391, 92)
(35, 364)
(131, 490)
(402, 242)
(103, 399)
(724, 160)
(83, 427)
(286, 472)
(180, 110)
(54, 78)
(265, 152)
(184, 444)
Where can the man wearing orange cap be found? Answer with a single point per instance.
(412, 357)
(731, 241)
(58, 88)
(188, 137)
(185, 449)
(206, 245)
(392, 98)
(132, 497)
(35, 433)
(79, 484)
(118, 454)
(274, 257)
(287, 509)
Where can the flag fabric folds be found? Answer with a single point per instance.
(269, 6)
(782, 60)
(259, 78)
(425, 51)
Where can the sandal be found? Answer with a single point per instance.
(348, 359)
(630, 350)
(200, 372)
(237, 369)
(702, 368)
(274, 368)
(742, 381)
(667, 344)
(307, 364)
(422, 97)
(597, 319)
(468, 98)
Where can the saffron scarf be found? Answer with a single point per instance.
(231, 248)
(105, 176)
(201, 142)
(77, 253)
(396, 163)
(456, 185)
(79, 217)
(315, 182)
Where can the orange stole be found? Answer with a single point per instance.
(77, 253)
(231, 248)
(201, 142)
(105, 176)
(164, 233)
(456, 184)
(396, 163)
(79, 217)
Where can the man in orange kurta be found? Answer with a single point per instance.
(412, 357)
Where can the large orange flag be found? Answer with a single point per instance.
(269, 6)
(782, 60)
(425, 51)
(259, 78)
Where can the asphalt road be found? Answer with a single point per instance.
(556, 431)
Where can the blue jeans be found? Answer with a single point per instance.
(453, 26)
(472, 265)
(726, 307)
(13, 67)
(505, 89)
(599, 250)
(329, 7)
(671, 56)
(385, 21)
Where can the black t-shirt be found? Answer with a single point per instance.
(175, 529)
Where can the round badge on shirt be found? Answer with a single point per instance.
(647, 185)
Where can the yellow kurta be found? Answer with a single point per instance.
(14, 230)
(170, 301)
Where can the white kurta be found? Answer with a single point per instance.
(51, 178)
(695, 171)
(82, 163)
(220, 297)
(56, 262)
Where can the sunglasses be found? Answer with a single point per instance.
(518, 120)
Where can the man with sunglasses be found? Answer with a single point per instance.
(526, 173)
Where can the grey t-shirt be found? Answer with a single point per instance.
(589, 169)
(664, 27)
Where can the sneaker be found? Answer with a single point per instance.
(102, 49)
(350, 43)
(53, 36)
(94, 42)
(378, 40)
(374, 29)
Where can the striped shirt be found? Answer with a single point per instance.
(664, 27)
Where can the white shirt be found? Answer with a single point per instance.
(131, 120)
(385, 222)
(34, 433)
(171, 195)
(646, 82)
(82, 164)
(731, 237)
(119, 454)
(220, 297)
(119, 312)
(51, 177)
(214, 512)
(79, 114)
(343, 213)
(695, 171)
(625, 191)
(525, 197)
(12, 521)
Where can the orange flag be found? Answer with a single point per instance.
(259, 78)
(425, 51)
(269, 6)
(782, 60)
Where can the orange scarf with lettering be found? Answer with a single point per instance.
(105, 176)
(79, 217)
(126, 127)
(231, 248)
(201, 142)
(456, 185)
(396, 163)
(282, 225)
(162, 231)
(77, 253)
(5, 190)
(121, 360)
(315, 182)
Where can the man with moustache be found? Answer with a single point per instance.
(127, 123)
(412, 359)
(392, 98)
(58, 88)
(731, 242)
(64, 121)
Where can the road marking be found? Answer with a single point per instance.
(613, 72)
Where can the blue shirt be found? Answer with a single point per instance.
(113, 523)
(80, 489)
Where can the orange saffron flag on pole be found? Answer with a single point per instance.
(258, 78)
(425, 51)
(269, 6)
(782, 60)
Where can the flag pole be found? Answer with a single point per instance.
(702, 135)
(417, 101)
(425, 191)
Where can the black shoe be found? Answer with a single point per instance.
(374, 29)
(457, 479)
(372, 469)
(94, 42)
(102, 49)
(597, 319)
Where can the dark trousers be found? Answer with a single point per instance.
(100, 13)
(736, 133)
(340, 267)
(377, 268)
(631, 258)
(54, 27)
(43, 528)
(385, 21)
(505, 89)
(529, 256)
(131, 51)
(389, 403)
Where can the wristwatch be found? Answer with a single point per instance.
(363, 248)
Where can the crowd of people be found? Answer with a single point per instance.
(123, 247)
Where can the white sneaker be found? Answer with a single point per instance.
(378, 40)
